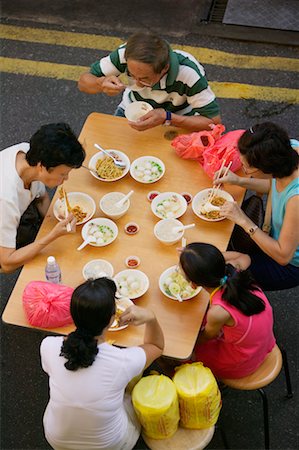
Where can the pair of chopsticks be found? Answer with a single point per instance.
(216, 186)
(67, 208)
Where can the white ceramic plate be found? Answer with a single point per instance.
(164, 281)
(106, 225)
(100, 155)
(200, 199)
(97, 268)
(169, 205)
(125, 283)
(86, 203)
(147, 169)
(123, 303)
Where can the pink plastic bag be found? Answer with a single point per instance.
(192, 146)
(226, 148)
(47, 305)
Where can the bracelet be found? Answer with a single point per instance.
(252, 230)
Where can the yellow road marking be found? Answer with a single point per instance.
(106, 43)
(221, 89)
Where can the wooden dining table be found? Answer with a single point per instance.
(180, 321)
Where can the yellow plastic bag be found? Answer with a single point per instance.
(156, 404)
(199, 396)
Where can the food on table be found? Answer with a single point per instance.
(187, 197)
(129, 285)
(102, 234)
(176, 284)
(132, 261)
(97, 268)
(152, 194)
(76, 210)
(147, 171)
(109, 200)
(165, 230)
(169, 207)
(106, 168)
(118, 312)
(214, 213)
(132, 228)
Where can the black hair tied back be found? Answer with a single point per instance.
(80, 349)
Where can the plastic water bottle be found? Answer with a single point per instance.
(52, 270)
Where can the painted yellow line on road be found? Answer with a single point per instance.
(221, 89)
(106, 43)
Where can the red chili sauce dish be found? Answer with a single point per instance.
(132, 228)
(132, 262)
(187, 197)
(152, 194)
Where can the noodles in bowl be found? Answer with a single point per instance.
(202, 208)
(103, 168)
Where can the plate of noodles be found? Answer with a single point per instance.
(121, 304)
(201, 199)
(103, 167)
(81, 205)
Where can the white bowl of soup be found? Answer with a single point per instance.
(135, 110)
(201, 199)
(147, 169)
(100, 230)
(165, 233)
(109, 208)
(131, 283)
(169, 205)
(103, 168)
(82, 207)
(97, 268)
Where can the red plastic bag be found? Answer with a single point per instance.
(226, 148)
(192, 146)
(47, 305)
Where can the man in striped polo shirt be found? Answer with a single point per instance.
(171, 81)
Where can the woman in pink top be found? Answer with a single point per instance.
(238, 333)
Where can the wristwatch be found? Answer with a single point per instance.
(252, 230)
(168, 118)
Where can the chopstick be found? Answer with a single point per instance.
(67, 208)
(215, 190)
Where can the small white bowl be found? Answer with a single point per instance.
(108, 201)
(100, 155)
(81, 199)
(162, 231)
(125, 283)
(97, 268)
(110, 228)
(164, 280)
(201, 198)
(135, 110)
(169, 205)
(147, 169)
(132, 261)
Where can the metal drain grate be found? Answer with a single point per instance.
(217, 11)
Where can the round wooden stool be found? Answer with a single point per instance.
(183, 439)
(264, 375)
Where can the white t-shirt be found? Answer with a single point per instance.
(14, 198)
(86, 408)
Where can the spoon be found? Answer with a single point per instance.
(123, 200)
(87, 241)
(182, 227)
(208, 207)
(178, 296)
(119, 164)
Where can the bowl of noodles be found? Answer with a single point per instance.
(173, 283)
(121, 304)
(201, 199)
(103, 168)
(81, 205)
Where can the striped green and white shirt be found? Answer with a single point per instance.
(183, 90)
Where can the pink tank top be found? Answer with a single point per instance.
(246, 344)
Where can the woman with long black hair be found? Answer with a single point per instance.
(237, 335)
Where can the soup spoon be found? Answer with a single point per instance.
(87, 241)
(123, 200)
(180, 228)
(119, 164)
(208, 207)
